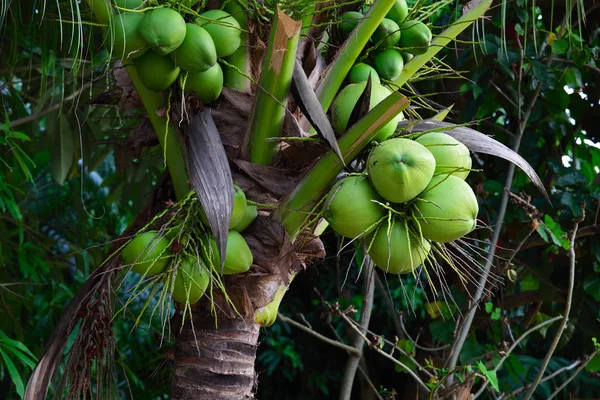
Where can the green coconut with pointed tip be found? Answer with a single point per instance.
(415, 37)
(249, 216)
(224, 30)
(397, 250)
(400, 169)
(207, 85)
(348, 22)
(398, 12)
(129, 4)
(447, 209)
(127, 43)
(147, 253)
(387, 34)
(389, 64)
(349, 207)
(163, 29)
(197, 52)
(156, 72)
(451, 156)
(239, 208)
(238, 257)
(346, 100)
(360, 73)
(191, 281)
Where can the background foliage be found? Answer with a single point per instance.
(69, 183)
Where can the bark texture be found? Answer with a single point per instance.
(217, 362)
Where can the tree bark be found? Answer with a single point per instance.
(216, 362)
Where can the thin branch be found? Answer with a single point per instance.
(546, 379)
(325, 339)
(513, 347)
(563, 324)
(581, 367)
(418, 346)
(390, 306)
(358, 342)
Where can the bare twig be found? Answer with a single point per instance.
(563, 324)
(358, 342)
(577, 371)
(546, 379)
(418, 346)
(390, 306)
(325, 339)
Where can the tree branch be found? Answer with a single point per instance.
(581, 367)
(547, 378)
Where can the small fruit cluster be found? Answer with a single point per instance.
(149, 254)
(396, 41)
(413, 193)
(161, 43)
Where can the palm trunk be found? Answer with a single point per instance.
(215, 362)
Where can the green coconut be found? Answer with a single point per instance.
(239, 207)
(346, 100)
(156, 72)
(391, 251)
(129, 4)
(206, 85)
(360, 73)
(451, 156)
(197, 51)
(348, 21)
(147, 254)
(406, 57)
(447, 209)
(163, 29)
(224, 30)
(398, 12)
(127, 43)
(249, 216)
(238, 257)
(389, 64)
(400, 169)
(387, 34)
(416, 37)
(349, 208)
(191, 280)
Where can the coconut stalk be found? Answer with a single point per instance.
(294, 211)
(276, 78)
(166, 132)
(238, 60)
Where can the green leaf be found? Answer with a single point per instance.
(560, 46)
(593, 364)
(489, 306)
(530, 282)
(490, 375)
(14, 374)
(62, 152)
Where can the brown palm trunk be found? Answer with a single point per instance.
(217, 362)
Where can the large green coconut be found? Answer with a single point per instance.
(389, 64)
(415, 38)
(249, 216)
(348, 21)
(197, 51)
(391, 252)
(191, 280)
(224, 30)
(447, 209)
(156, 72)
(127, 43)
(147, 254)
(346, 100)
(206, 85)
(451, 156)
(400, 169)
(239, 207)
(163, 29)
(398, 12)
(360, 73)
(129, 4)
(238, 257)
(349, 208)
(387, 34)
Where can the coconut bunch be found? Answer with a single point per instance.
(395, 42)
(411, 196)
(153, 252)
(165, 45)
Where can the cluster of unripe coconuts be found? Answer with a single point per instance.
(149, 254)
(162, 44)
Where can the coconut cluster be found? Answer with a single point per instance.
(412, 194)
(150, 254)
(164, 46)
(395, 42)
